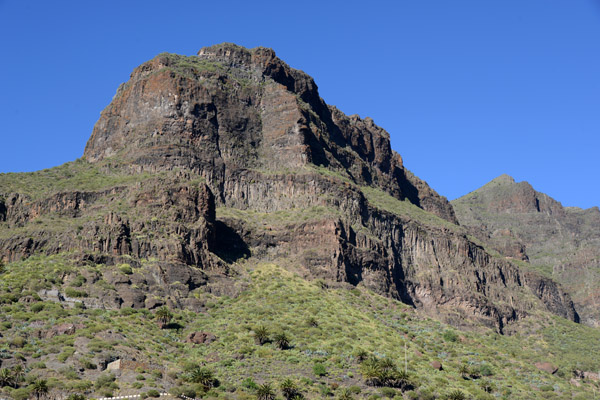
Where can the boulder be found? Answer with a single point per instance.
(200, 338)
(436, 365)
(546, 366)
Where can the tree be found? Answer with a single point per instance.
(39, 388)
(289, 389)
(261, 335)
(464, 371)
(6, 377)
(163, 316)
(18, 373)
(265, 392)
(202, 376)
(282, 341)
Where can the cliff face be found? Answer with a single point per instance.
(231, 155)
(561, 242)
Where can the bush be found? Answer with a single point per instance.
(450, 336)
(319, 369)
(387, 392)
(486, 370)
(105, 380)
(18, 342)
(126, 269)
(70, 292)
(455, 395)
(152, 393)
(37, 307)
(249, 383)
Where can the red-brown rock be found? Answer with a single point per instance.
(546, 366)
(200, 338)
(436, 365)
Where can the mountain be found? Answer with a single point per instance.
(225, 220)
(559, 242)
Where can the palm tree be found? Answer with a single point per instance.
(18, 373)
(464, 371)
(203, 376)
(163, 316)
(282, 341)
(6, 377)
(39, 388)
(265, 392)
(289, 389)
(261, 335)
(345, 394)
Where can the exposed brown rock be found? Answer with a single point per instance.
(200, 338)
(436, 365)
(546, 366)
(62, 329)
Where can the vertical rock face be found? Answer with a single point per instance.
(232, 153)
(230, 109)
(562, 242)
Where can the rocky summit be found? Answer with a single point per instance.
(221, 196)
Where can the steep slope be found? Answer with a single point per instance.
(201, 161)
(561, 242)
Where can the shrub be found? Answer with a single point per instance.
(546, 388)
(249, 383)
(319, 369)
(361, 355)
(76, 397)
(37, 307)
(125, 269)
(450, 336)
(152, 393)
(345, 394)
(387, 392)
(354, 389)
(105, 380)
(70, 292)
(486, 370)
(18, 342)
(455, 395)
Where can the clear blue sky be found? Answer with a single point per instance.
(468, 89)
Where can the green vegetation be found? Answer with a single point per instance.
(385, 201)
(78, 175)
(354, 339)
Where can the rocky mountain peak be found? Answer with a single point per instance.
(503, 179)
(231, 109)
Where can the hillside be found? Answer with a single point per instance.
(221, 209)
(560, 242)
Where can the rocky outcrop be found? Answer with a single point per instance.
(230, 109)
